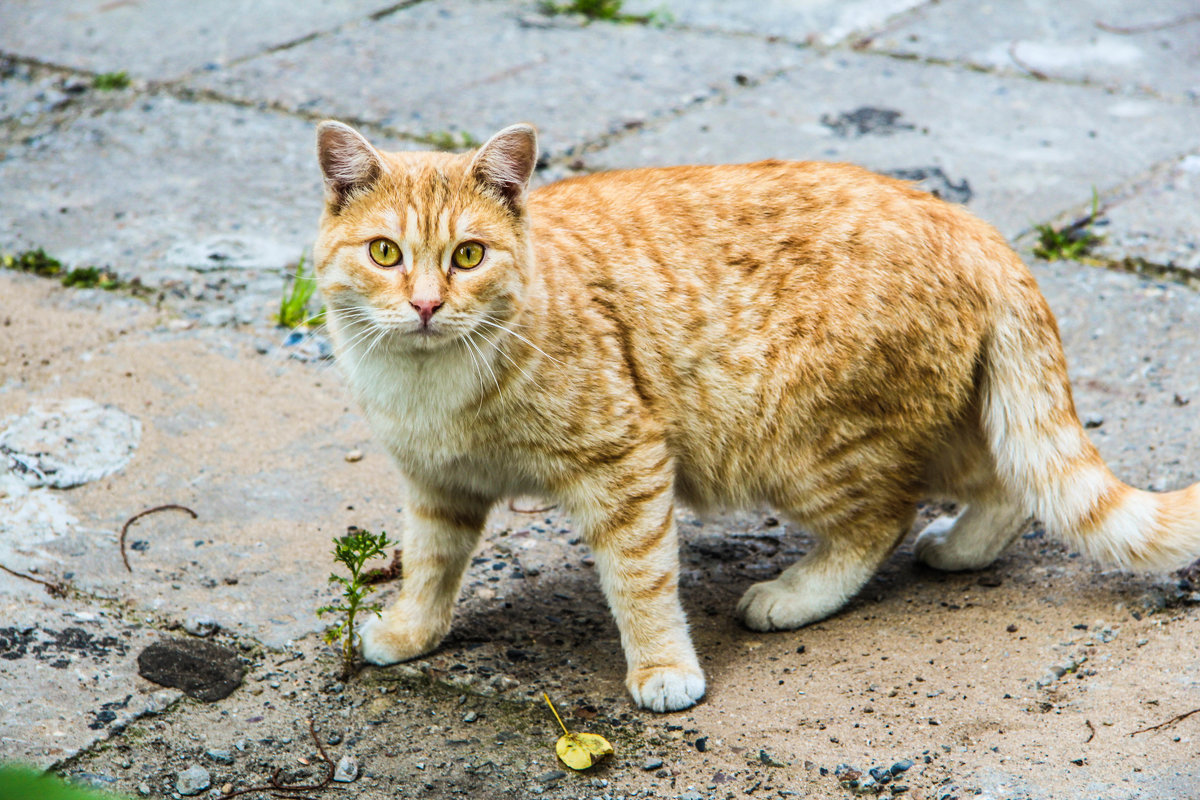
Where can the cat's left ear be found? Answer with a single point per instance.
(505, 164)
(348, 162)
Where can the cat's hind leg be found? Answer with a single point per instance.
(845, 558)
(974, 538)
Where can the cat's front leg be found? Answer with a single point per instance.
(631, 531)
(440, 533)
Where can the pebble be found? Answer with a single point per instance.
(353, 456)
(143, 789)
(200, 625)
(334, 738)
(550, 777)
(902, 766)
(347, 769)
(193, 780)
(470, 716)
(220, 756)
(651, 764)
(693, 795)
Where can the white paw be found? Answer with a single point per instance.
(383, 644)
(666, 688)
(776, 606)
(934, 546)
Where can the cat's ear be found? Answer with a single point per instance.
(505, 164)
(348, 161)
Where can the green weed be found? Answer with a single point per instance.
(111, 81)
(602, 11)
(20, 781)
(445, 140)
(352, 551)
(1073, 242)
(294, 302)
(37, 262)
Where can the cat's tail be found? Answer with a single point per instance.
(1042, 453)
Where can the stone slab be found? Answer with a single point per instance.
(1153, 45)
(460, 66)
(826, 22)
(1028, 150)
(1155, 222)
(164, 188)
(69, 672)
(165, 39)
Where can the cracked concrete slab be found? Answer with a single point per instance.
(826, 22)
(1152, 226)
(1027, 149)
(168, 191)
(474, 67)
(1148, 46)
(173, 38)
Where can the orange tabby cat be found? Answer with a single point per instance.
(809, 336)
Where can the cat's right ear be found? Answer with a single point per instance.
(348, 161)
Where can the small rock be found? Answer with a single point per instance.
(203, 670)
(219, 756)
(193, 780)
(226, 788)
(470, 716)
(143, 789)
(692, 795)
(1093, 421)
(200, 625)
(1011, 628)
(880, 775)
(347, 769)
(702, 744)
(651, 764)
(550, 777)
(902, 766)
(769, 760)
(353, 455)
(333, 738)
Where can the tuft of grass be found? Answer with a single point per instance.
(445, 140)
(18, 781)
(111, 81)
(294, 302)
(602, 11)
(352, 551)
(1073, 242)
(37, 262)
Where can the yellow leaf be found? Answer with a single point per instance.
(579, 750)
(582, 750)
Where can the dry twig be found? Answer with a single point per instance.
(53, 588)
(1147, 28)
(1091, 731)
(1036, 73)
(290, 791)
(512, 506)
(1171, 721)
(384, 574)
(139, 515)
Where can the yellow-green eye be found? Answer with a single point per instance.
(468, 255)
(385, 252)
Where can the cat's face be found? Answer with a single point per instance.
(420, 250)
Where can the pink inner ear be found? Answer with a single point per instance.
(507, 161)
(348, 161)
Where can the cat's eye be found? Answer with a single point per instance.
(468, 255)
(384, 252)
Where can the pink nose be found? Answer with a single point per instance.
(425, 308)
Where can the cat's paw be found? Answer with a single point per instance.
(383, 644)
(935, 547)
(776, 606)
(666, 688)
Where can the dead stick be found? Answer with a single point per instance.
(1153, 26)
(1091, 731)
(512, 506)
(55, 589)
(284, 790)
(139, 515)
(1171, 721)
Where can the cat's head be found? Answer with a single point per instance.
(422, 248)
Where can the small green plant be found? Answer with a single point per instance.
(445, 140)
(602, 10)
(352, 551)
(91, 278)
(1072, 242)
(20, 781)
(111, 81)
(35, 262)
(293, 303)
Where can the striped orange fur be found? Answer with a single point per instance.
(809, 336)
